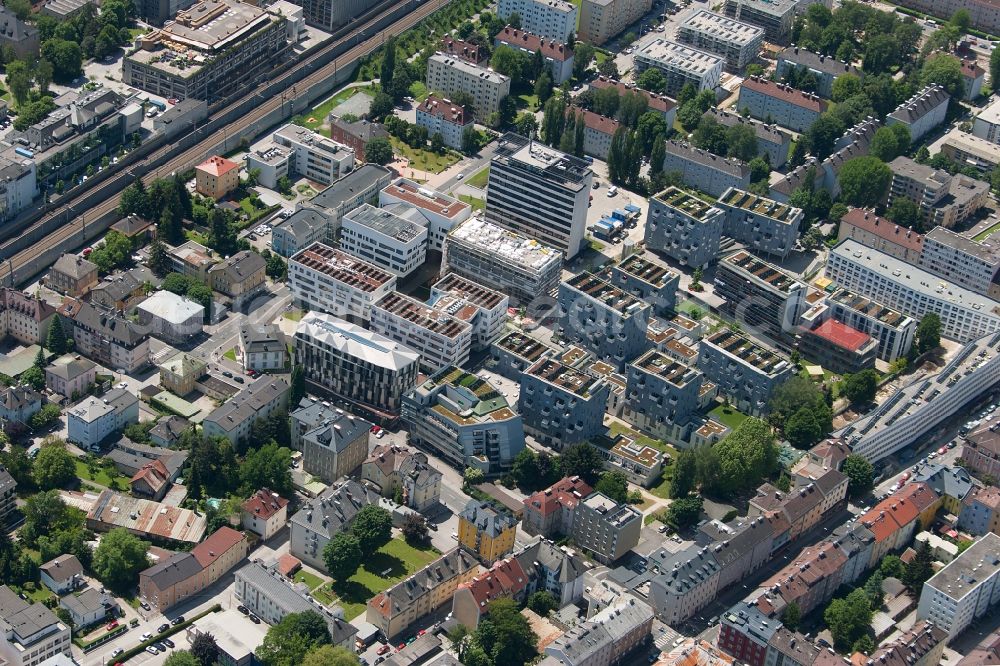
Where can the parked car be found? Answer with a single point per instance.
(243, 609)
(177, 620)
(144, 606)
(254, 618)
(160, 646)
(238, 379)
(112, 625)
(382, 650)
(146, 636)
(116, 652)
(169, 643)
(163, 627)
(152, 650)
(226, 373)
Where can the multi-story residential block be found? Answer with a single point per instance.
(640, 463)
(605, 528)
(441, 340)
(648, 280)
(324, 279)
(965, 315)
(761, 296)
(272, 161)
(981, 511)
(680, 64)
(32, 634)
(196, 55)
(825, 69)
(265, 513)
(464, 419)
(192, 259)
(739, 43)
(540, 192)
(360, 186)
(357, 134)
(314, 156)
(486, 532)
(705, 171)
(171, 318)
(239, 277)
(965, 589)
(310, 414)
(504, 580)
(817, 491)
(742, 369)
(17, 405)
(598, 131)
(603, 319)
(973, 77)
(952, 484)
(455, 295)
(661, 396)
(551, 511)
(557, 570)
(824, 174)
(921, 645)
(771, 140)
(8, 497)
(762, 224)
(261, 347)
(394, 469)
(970, 150)
(986, 125)
(315, 523)
(460, 48)
(336, 447)
(922, 112)
(600, 20)
(71, 275)
(444, 117)
(19, 35)
(384, 239)
(684, 227)
(963, 261)
(688, 581)
(654, 101)
(216, 177)
(395, 610)
(515, 352)
(549, 19)
(233, 418)
(604, 639)
(880, 234)
(450, 75)
(981, 450)
(368, 370)
(558, 55)
(779, 103)
(943, 199)
(744, 632)
(494, 256)
(561, 406)
(109, 338)
(93, 420)
(892, 331)
(442, 211)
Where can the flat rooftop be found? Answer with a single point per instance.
(867, 307)
(680, 56)
(354, 341)
(973, 145)
(722, 27)
(566, 378)
(650, 272)
(749, 352)
(343, 267)
(542, 160)
(425, 198)
(508, 245)
(315, 141)
(759, 205)
(606, 293)
(468, 68)
(474, 293)
(972, 567)
(211, 26)
(523, 346)
(641, 454)
(614, 513)
(421, 315)
(768, 273)
(690, 204)
(981, 251)
(657, 363)
(385, 223)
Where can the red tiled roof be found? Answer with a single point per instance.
(505, 579)
(212, 548)
(461, 49)
(217, 166)
(446, 110)
(288, 564)
(656, 102)
(786, 93)
(568, 491)
(868, 221)
(596, 121)
(264, 503)
(841, 335)
(971, 69)
(527, 41)
(154, 473)
(899, 510)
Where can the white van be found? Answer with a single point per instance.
(612, 191)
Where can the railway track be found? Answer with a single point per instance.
(190, 157)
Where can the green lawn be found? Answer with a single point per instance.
(315, 117)
(102, 477)
(195, 236)
(312, 581)
(418, 91)
(231, 354)
(293, 315)
(424, 160)
(689, 308)
(526, 101)
(617, 428)
(479, 178)
(397, 559)
(475, 202)
(983, 235)
(728, 416)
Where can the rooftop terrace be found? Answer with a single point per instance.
(747, 351)
(867, 307)
(522, 345)
(761, 270)
(564, 377)
(647, 271)
(661, 365)
(606, 293)
(342, 267)
(761, 206)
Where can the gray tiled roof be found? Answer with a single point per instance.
(486, 519)
(334, 510)
(247, 402)
(110, 325)
(177, 568)
(262, 338)
(348, 187)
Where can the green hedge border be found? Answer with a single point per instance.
(101, 640)
(141, 647)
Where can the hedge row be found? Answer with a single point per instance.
(141, 647)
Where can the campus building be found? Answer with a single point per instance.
(443, 213)
(314, 156)
(324, 279)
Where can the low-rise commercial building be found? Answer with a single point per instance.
(452, 75)
(443, 212)
(313, 156)
(739, 43)
(684, 227)
(384, 239)
(965, 589)
(154, 521)
(561, 406)
(441, 339)
(328, 280)
(780, 103)
(232, 419)
(922, 112)
(680, 65)
(171, 318)
(742, 369)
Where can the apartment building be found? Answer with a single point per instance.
(600, 20)
(605, 528)
(965, 589)
(171, 318)
(109, 339)
(780, 103)
(684, 227)
(598, 131)
(32, 633)
(965, 315)
(549, 19)
(328, 280)
(921, 645)
(261, 347)
(980, 511)
(382, 238)
(71, 275)
(680, 64)
(460, 48)
(970, 150)
(336, 447)
(603, 319)
(986, 125)
(483, 308)
(486, 532)
(360, 186)
(557, 55)
(761, 296)
(881, 234)
(922, 112)
(981, 450)
(772, 141)
(963, 261)
(197, 55)
(561, 406)
(442, 116)
(705, 171)
(504, 580)
(762, 224)
(464, 419)
(330, 16)
(551, 511)
(855, 142)
(825, 69)
(398, 608)
(739, 43)
(313, 155)
(515, 352)
(320, 518)
(661, 396)
(394, 469)
(357, 134)
(232, 419)
(973, 78)
(450, 75)
(539, 192)
(943, 199)
(216, 177)
(366, 369)
(742, 369)
(18, 403)
(264, 513)
(441, 211)
(93, 420)
(648, 280)
(604, 639)
(893, 332)
(441, 339)
(654, 101)
(240, 277)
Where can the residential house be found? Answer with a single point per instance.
(18, 404)
(335, 447)
(88, 607)
(259, 400)
(442, 116)
(240, 277)
(152, 481)
(216, 177)
(62, 574)
(393, 469)
(181, 372)
(110, 339)
(70, 375)
(93, 420)
(357, 134)
(120, 291)
(319, 519)
(551, 511)
(558, 570)
(555, 53)
(922, 112)
(8, 498)
(607, 637)
(265, 513)
(486, 532)
(504, 580)
(168, 430)
(981, 511)
(71, 275)
(262, 347)
(193, 260)
(24, 317)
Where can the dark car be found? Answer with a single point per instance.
(254, 619)
(163, 627)
(177, 620)
(243, 609)
(160, 646)
(169, 643)
(226, 373)
(238, 379)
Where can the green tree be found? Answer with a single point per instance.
(584, 461)
(745, 457)
(19, 81)
(583, 55)
(822, 135)
(994, 68)
(342, 556)
(119, 558)
(473, 477)
(860, 474)
(961, 20)
(657, 155)
(470, 140)
(15, 459)
(891, 565)
(928, 333)
(543, 87)
(864, 181)
(860, 387)
(378, 151)
(920, 569)
(614, 485)
(791, 616)
(415, 529)
(844, 87)
(652, 80)
(298, 385)
(885, 145)
(388, 65)
(684, 512)
(288, 642)
(795, 394)
(381, 106)
(505, 636)
(34, 377)
(158, 261)
(66, 58)
(181, 658)
(802, 429)
(881, 53)
(46, 513)
(848, 618)
(512, 63)
(685, 477)
(742, 143)
(542, 602)
(267, 467)
(373, 527)
(873, 588)
(904, 213)
(330, 655)
(54, 467)
(945, 70)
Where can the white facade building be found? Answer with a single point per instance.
(552, 19)
(384, 239)
(442, 116)
(440, 338)
(93, 419)
(456, 295)
(315, 156)
(442, 211)
(31, 633)
(739, 43)
(965, 590)
(449, 75)
(332, 281)
(171, 318)
(680, 64)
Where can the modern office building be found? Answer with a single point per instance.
(314, 156)
(763, 225)
(271, 161)
(684, 227)
(825, 69)
(515, 352)
(442, 116)
(484, 308)
(493, 256)
(963, 261)
(739, 43)
(324, 279)
(360, 186)
(965, 590)
(922, 112)
(441, 339)
(969, 150)
(943, 199)
(442, 211)
(549, 19)
(557, 55)
(648, 280)
(771, 139)
(329, 15)
(449, 75)
(600, 20)
(366, 369)
(705, 171)
(894, 332)
(464, 419)
(742, 369)
(881, 234)
(561, 406)
(780, 103)
(761, 296)
(539, 192)
(605, 528)
(382, 238)
(680, 64)
(661, 396)
(32, 634)
(208, 51)
(835, 345)
(603, 319)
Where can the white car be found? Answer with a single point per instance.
(116, 652)
(146, 636)
(152, 650)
